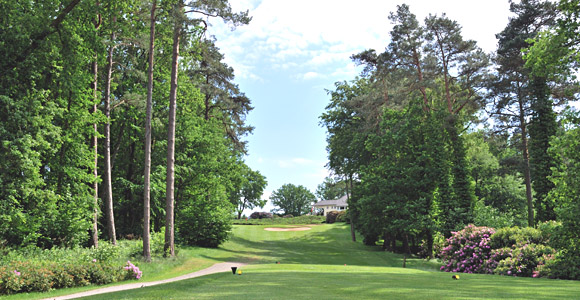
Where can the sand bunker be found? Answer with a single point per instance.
(287, 229)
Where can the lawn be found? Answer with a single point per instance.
(323, 263)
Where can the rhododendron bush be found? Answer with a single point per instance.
(514, 251)
(467, 250)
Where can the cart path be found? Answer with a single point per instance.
(217, 268)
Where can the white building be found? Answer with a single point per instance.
(332, 205)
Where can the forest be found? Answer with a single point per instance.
(435, 135)
(119, 119)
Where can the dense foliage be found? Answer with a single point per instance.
(511, 251)
(402, 136)
(293, 200)
(73, 133)
(37, 270)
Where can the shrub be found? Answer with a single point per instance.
(342, 216)
(467, 250)
(553, 234)
(204, 223)
(510, 236)
(34, 277)
(288, 216)
(439, 242)
(61, 278)
(489, 216)
(496, 256)
(562, 265)
(524, 260)
(157, 242)
(10, 280)
(132, 271)
(305, 219)
(261, 215)
(37, 280)
(331, 217)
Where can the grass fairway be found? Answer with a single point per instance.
(313, 267)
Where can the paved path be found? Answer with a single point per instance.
(217, 268)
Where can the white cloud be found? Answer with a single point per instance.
(311, 75)
(303, 34)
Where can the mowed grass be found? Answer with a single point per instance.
(312, 266)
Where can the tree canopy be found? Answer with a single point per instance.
(291, 199)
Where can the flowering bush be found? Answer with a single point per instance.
(19, 277)
(524, 260)
(496, 256)
(467, 250)
(132, 271)
(10, 280)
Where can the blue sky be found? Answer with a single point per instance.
(293, 51)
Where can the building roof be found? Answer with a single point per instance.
(338, 202)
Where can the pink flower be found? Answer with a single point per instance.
(94, 260)
(17, 273)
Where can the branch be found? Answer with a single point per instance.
(43, 35)
(201, 12)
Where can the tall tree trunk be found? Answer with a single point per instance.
(147, 175)
(108, 185)
(95, 233)
(169, 247)
(349, 181)
(526, 157)
(406, 247)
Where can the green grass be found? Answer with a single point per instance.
(351, 282)
(312, 266)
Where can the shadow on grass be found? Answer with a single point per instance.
(352, 283)
(329, 246)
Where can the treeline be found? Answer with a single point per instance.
(409, 142)
(119, 118)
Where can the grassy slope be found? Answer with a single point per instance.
(313, 266)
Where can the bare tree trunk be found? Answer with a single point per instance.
(349, 181)
(108, 186)
(95, 233)
(526, 156)
(147, 175)
(169, 247)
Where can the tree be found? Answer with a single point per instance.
(566, 194)
(553, 53)
(521, 99)
(252, 188)
(550, 59)
(292, 200)
(398, 187)
(348, 120)
(223, 98)
(109, 210)
(147, 168)
(216, 8)
(95, 145)
(47, 94)
(331, 189)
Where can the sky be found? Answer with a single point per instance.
(292, 52)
